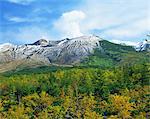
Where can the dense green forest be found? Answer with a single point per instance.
(111, 83)
(119, 92)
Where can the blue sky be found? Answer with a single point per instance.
(25, 21)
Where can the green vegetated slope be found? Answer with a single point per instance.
(114, 55)
(113, 83)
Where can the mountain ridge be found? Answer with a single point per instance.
(84, 50)
(50, 50)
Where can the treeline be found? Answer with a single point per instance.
(88, 93)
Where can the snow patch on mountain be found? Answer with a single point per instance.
(6, 46)
(63, 51)
(143, 46)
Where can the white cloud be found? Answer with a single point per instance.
(23, 19)
(132, 30)
(69, 23)
(116, 19)
(16, 19)
(24, 2)
(130, 43)
(110, 13)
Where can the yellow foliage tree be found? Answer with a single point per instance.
(59, 74)
(121, 106)
(17, 112)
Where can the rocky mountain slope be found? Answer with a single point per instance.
(65, 51)
(83, 51)
(143, 46)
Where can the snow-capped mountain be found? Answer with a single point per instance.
(65, 51)
(143, 46)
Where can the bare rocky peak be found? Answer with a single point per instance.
(143, 46)
(41, 42)
(64, 51)
(6, 46)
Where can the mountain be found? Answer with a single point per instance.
(80, 51)
(143, 46)
(65, 51)
(115, 55)
(41, 42)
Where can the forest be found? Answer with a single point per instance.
(120, 92)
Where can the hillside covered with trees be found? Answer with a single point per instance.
(77, 92)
